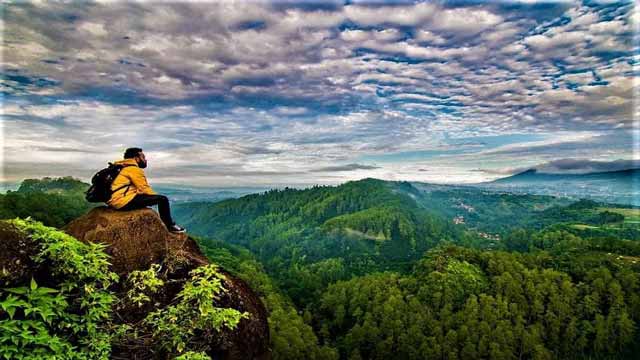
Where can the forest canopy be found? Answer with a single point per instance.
(374, 269)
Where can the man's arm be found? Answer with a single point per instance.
(140, 181)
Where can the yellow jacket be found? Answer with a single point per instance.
(131, 182)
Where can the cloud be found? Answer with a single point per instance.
(258, 89)
(394, 15)
(347, 167)
(467, 21)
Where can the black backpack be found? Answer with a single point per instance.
(100, 189)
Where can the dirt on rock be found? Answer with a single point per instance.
(17, 251)
(136, 239)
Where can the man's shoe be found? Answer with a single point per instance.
(177, 229)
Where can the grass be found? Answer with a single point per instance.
(631, 216)
(360, 234)
(626, 258)
(583, 226)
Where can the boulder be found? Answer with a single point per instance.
(136, 239)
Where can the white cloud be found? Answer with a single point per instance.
(544, 43)
(294, 86)
(468, 21)
(429, 37)
(396, 15)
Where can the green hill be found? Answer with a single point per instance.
(488, 211)
(63, 185)
(53, 201)
(365, 226)
(499, 213)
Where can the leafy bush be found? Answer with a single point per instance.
(193, 356)
(69, 319)
(292, 337)
(70, 313)
(142, 284)
(175, 326)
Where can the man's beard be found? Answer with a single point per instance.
(142, 164)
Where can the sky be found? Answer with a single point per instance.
(292, 93)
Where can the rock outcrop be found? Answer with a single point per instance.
(136, 240)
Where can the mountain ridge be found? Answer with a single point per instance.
(620, 186)
(530, 173)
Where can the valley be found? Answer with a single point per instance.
(372, 268)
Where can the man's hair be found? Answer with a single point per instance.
(130, 153)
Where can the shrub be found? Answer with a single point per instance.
(70, 318)
(175, 326)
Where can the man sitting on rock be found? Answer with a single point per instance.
(132, 191)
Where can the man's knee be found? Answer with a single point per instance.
(162, 198)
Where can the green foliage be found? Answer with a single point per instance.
(582, 212)
(306, 282)
(72, 316)
(69, 318)
(342, 284)
(365, 225)
(37, 308)
(191, 355)
(501, 213)
(54, 202)
(65, 184)
(143, 283)
(453, 284)
(291, 336)
(377, 223)
(468, 304)
(457, 303)
(490, 212)
(174, 326)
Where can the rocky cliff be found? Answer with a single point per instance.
(137, 241)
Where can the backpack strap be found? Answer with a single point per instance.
(123, 186)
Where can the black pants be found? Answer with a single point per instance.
(143, 200)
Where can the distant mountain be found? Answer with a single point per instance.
(533, 175)
(210, 194)
(614, 186)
